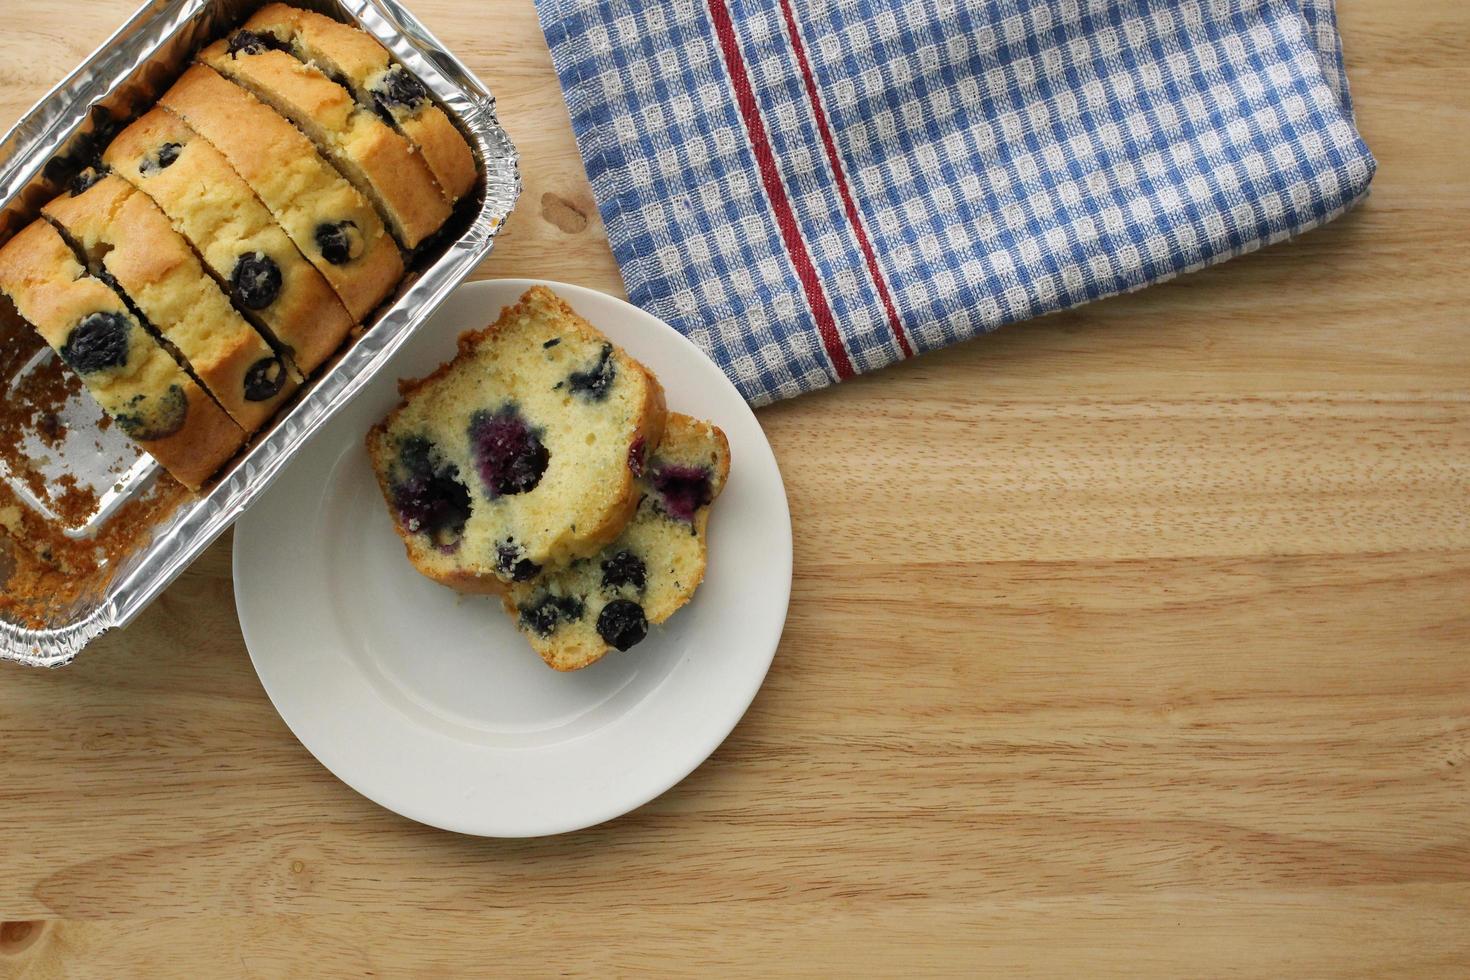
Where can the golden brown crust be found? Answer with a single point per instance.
(158, 270)
(358, 58)
(722, 471)
(49, 288)
(214, 209)
(701, 519)
(291, 178)
(461, 580)
(445, 149)
(354, 50)
(378, 159)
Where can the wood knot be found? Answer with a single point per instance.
(17, 935)
(562, 213)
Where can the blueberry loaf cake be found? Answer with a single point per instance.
(127, 241)
(240, 231)
(328, 219)
(358, 61)
(576, 614)
(376, 158)
(135, 381)
(522, 452)
(268, 278)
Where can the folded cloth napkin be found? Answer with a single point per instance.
(810, 189)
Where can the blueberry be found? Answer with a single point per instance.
(509, 563)
(398, 88)
(508, 452)
(100, 341)
(595, 382)
(339, 242)
(160, 159)
(540, 617)
(437, 506)
(624, 568)
(252, 42)
(637, 456)
(622, 623)
(264, 379)
(683, 490)
(84, 148)
(256, 281)
(546, 611)
(416, 455)
(429, 498)
(146, 422)
(84, 180)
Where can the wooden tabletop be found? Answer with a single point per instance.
(1136, 639)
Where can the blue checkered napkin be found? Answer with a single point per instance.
(810, 190)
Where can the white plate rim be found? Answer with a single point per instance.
(731, 711)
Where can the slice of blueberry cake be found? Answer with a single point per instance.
(575, 615)
(359, 62)
(128, 373)
(268, 278)
(329, 220)
(378, 160)
(521, 453)
(127, 241)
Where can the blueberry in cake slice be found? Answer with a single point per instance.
(127, 372)
(332, 224)
(576, 614)
(356, 60)
(268, 278)
(522, 452)
(378, 160)
(127, 241)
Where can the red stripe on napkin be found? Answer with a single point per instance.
(840, 178)
(760, 144)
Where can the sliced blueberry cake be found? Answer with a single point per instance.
(127, 241)
(521, 453)
(332, 224)
(269, 280)
(378, 160)
(576, 614)
(128, 373)
(359, 62)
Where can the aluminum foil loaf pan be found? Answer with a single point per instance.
(91, 528)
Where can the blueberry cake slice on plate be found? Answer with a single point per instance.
(268, 278)
(521, 453)
(378, 160)
(356, 60)
(127, 241)
(137, 383)
(575, 615)
(332, 224)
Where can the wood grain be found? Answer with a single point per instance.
(1136, 639)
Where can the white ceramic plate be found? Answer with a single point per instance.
(430, 703)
